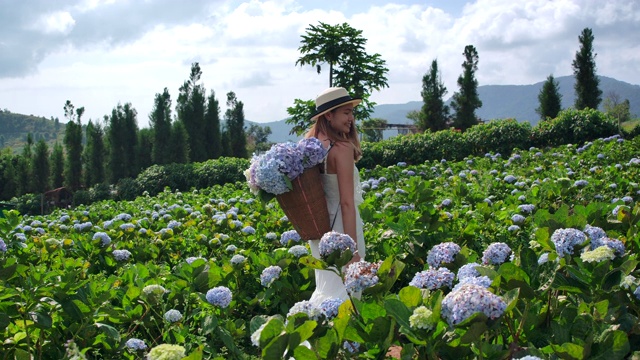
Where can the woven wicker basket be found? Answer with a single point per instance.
(305, 205)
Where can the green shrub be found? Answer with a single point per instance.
(127, 189)
(151, 180)
(219, 172)
(500, 136)
(100, 192)
(573, 126)
(28, 204)
(81, 197)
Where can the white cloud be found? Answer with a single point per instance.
(57, 22)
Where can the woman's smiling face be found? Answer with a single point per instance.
(341, 119)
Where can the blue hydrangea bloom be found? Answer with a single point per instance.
(271, 236)
(483, 281)
(237, 259)
(360, 275)
(594, 232)
(513, 228)
(433, 279)
(3, 246)
(298, 251)
(565, 239)
(329, 307)
(269, 275)
(496, 253)
(173, 316)
(135, 344)
(104, 238)
(335, 241)
(290, 235)
(518, 219)
(443, 253)
(468, 270)
(468, 299)
(248, 230)
(121, 255)
(219, 296)
(526, 208)
(306, 307)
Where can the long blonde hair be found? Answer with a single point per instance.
(322, 126)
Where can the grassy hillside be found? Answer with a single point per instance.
(14, 129)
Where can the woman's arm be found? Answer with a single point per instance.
(344, 165)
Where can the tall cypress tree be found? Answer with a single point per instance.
(160, 120)
(466, 101)
(434, 113)
(212, 134)
(549, 99)
(144, 146)
(179, 143)
(41, 168)
(57, 166)
(94, 155)
(234, 117)
(8, 183)
(190, 108)
(588, 93)
(130, 135)
(123, 137)
(73, 145)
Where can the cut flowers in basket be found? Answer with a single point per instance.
(270, 173)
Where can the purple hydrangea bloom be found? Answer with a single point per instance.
(468, 299)
(269, 275)
(335, 241)
(510, 179)
(513, 228)
(433, 279)
(565, 239)
(298, 251)
(496, 253)
(526, 208)
(219, 296)
(248, 230)
(312, 152)
(237, 259)
(483, 281)
(518, 219)
(443, 253)
(615, 244)
(173, 316)
(360, 275)
(580, 183)
(637, 293)
(3, 246)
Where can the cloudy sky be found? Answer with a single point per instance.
(98, 53)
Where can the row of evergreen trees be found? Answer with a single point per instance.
(435, 115)
(104, 153)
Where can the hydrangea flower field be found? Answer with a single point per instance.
(529, 255)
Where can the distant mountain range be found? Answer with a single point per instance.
(498, 102)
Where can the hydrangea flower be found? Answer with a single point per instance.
(313, 152)
(526, 208)
(248, 230)
(174, 224)
(351, 346)
(513, 228)
(335, 241)
(565, 239)
(594, 233)
(298, 251)
(628, 282)
(191, 259)
(136, 344)
(510, 179)
(79, 227)
(468, 270)
(483, 281)
(103, 237)
(616, 245)
(529, 357)
(269, 275)
(3, 246)
(433, 279)
(599, 254)
(619, 208)
(255, 337)
(421, 318)
(167, 352)
(231, 248)
(123, 217)
(360, 275)
(121, 255)
(127, 227)
(329, 307)
(580, 183)
(518, 219)
(305, 307)
(290, 235)
(153, 289)
(219, 296)
(446, 202)
(442, 253)
(637, 293)
(271, 236)
(496, 253)
(173, 316)
(237, 259)
(544, 257)
(468, 299)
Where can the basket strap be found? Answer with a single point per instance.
(325, 158)
(335, 216)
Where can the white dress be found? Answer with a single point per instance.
(328, 284)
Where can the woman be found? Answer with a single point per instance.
(335, 127)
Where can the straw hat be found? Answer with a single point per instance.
(333, 98)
